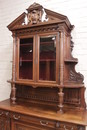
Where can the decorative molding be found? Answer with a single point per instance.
(38, 30)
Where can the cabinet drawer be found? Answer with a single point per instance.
(34, 120)
(68, 126)
(65, 126)
(43, 123)
(4, 113)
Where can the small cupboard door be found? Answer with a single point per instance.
(48, 58)
(4, 123)
(16, 125)
(26, 50)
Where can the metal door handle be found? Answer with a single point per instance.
(16, 118)
(43, 123)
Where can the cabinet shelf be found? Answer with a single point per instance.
(42, 60)
(47, 59)
(25, 44)
(26, 60)
(40, 84)
(71, 60)
(43, 43)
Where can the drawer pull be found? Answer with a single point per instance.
(1, 113)
(43, 123)
(16, 118)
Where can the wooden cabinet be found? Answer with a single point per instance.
(46, 91)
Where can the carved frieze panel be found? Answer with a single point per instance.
(38, 30)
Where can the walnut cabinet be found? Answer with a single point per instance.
(46, 91)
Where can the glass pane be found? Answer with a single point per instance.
(26, 59)
(47, 63)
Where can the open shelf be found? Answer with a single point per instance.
(75, 60)
(40, 84)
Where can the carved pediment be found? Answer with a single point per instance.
(37, 15)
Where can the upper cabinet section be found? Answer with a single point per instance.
(38, 58)
(42, 49)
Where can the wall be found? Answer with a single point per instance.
(10, 9)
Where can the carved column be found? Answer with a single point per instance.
(61, 94)
(13, 88)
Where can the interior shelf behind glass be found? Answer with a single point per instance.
(26, 58)
(47, 61)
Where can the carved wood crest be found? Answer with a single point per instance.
(35, 14)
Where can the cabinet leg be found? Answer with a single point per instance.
(61, 95)
(13, 94)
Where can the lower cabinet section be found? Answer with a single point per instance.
(16, 121)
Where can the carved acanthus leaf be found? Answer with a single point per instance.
(78, 77)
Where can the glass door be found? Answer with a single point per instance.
(47, 58)
(26, 58)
